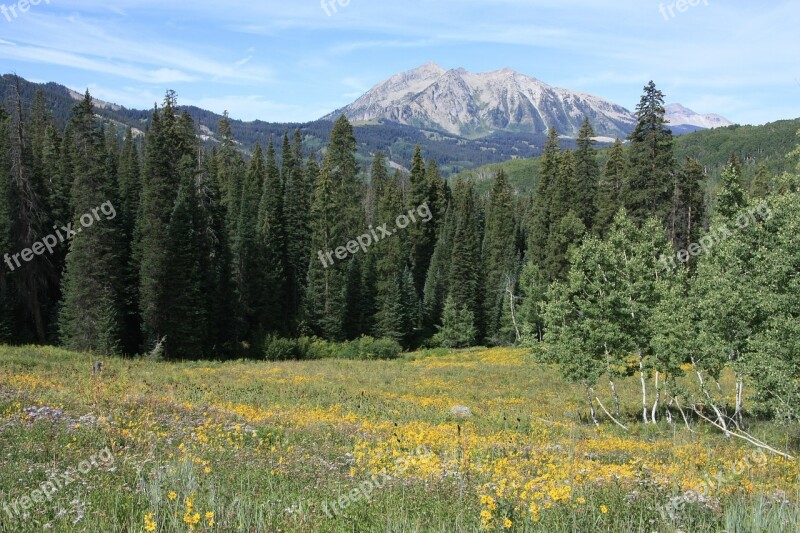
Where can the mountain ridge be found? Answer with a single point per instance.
(477, 104)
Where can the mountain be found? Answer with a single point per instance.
(452, 151)
(398, 141)
(684, 120)
(477, 105)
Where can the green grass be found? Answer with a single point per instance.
(264, 446)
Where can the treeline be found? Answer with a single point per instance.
(209, 254)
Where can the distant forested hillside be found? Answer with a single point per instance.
(398, 141)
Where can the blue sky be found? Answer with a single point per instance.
(290, 60)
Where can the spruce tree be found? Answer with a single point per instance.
(540, 217)
(130, 189)
(458, 327)
(392, 260)
(422, 236)
(730, 196)
(609, 194)
(272, 232)
(218, 288)
(91, 317)
(378, 177)
(130, 184)
(30, 224)
(438, 195)
(249, 250)
(337, 218)
(466, 271)
(686, 218)
(563, 236)
(437, 282)
(499, 252)
(325, 293)
(648, 190)
(169, 139)
(7, 297)
(587, 175)
(187, 324)
(299, 188)
(565, 227)
(760, 187)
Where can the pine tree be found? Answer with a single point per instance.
(730, 196)
(187, 324)
(587, 175)
(29, 224)
(299, 188)
(7, 296)
(499, 252)
(91, 317)
(466, 281)
(337, 217)
(272, 232)
(422, 236)
(438, 195)
(539, 224)
(130, 189)
(437, 282)
(325, 292)
(378, 177)
(609, 194)
(458, 327)
(760, 187)
(169, 139)
(392, 260)
(686, 218)
(648, 190)
(565, 227)
(249, 251)
(214, 250)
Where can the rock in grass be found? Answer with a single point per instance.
(461, 412)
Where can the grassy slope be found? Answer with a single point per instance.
(264, 445)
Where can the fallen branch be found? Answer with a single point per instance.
(603, 407)
(746, 437)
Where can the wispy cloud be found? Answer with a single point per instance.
(736, 57)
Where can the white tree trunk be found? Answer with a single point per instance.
(720, 417)
(591, 405)
(655, 403)
(644, 388)
(739, 398)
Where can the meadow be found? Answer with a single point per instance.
(348, 445)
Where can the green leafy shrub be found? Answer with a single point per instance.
(280, 349)
(370, 348)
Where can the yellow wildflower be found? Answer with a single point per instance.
(149, 523)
